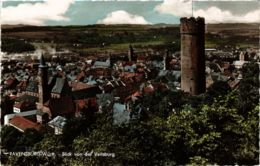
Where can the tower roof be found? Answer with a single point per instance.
(131, 47)
(42, 61)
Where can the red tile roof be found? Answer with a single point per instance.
(22, 85)
(128, 63)
(80, 85)
(148, 90)
(143, 57)
(12, 97)
(22, 123)
(174, 61)
(81, 103)
(9, 81)
(135, 94)
(84, 103)
(81, 76)
(61, 106)
(160, 86)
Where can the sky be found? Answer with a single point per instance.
(86, 12)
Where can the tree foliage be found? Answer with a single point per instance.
(9, 137)
(248, 91)
(16, 46)
(216, 132)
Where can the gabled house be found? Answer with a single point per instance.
(104, 101)
(99, 72)
(120, 114)
(102, 64)
(21, 123)
(25, 103)
(32, 89)
(58, 124)
(132, 99)
(86, 98)
(22, 86)
(11, 82)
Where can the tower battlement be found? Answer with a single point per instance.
(192, 25)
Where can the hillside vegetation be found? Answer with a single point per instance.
(103, 38)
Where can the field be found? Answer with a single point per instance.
(117, 38)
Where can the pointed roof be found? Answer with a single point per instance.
(131, 48)
(42, 61)
(59, 85)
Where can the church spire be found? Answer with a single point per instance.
(42, 61)
(43, 81)
(130, 53)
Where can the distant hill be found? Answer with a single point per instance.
(225, 28)
(240, 29)
(6, 26)
(100, 37)
(74, 32)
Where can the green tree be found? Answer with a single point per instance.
(248, 91)
(216, 90)
(9, 137)
(6, 106)
(135, 143)
(29, 138)
(102, 139)
(77, 126)
(50, 144)
(214, 133)
(16, 46)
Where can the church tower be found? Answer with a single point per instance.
(43, 81)
(166, 61)
(193, 55)
(131, 53)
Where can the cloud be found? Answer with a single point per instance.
(216, 15)
(179, 8)
(122, 17)
(211, 14)
(36, 13)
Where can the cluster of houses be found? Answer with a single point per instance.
(36, 95)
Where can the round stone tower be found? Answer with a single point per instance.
(193, 55)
